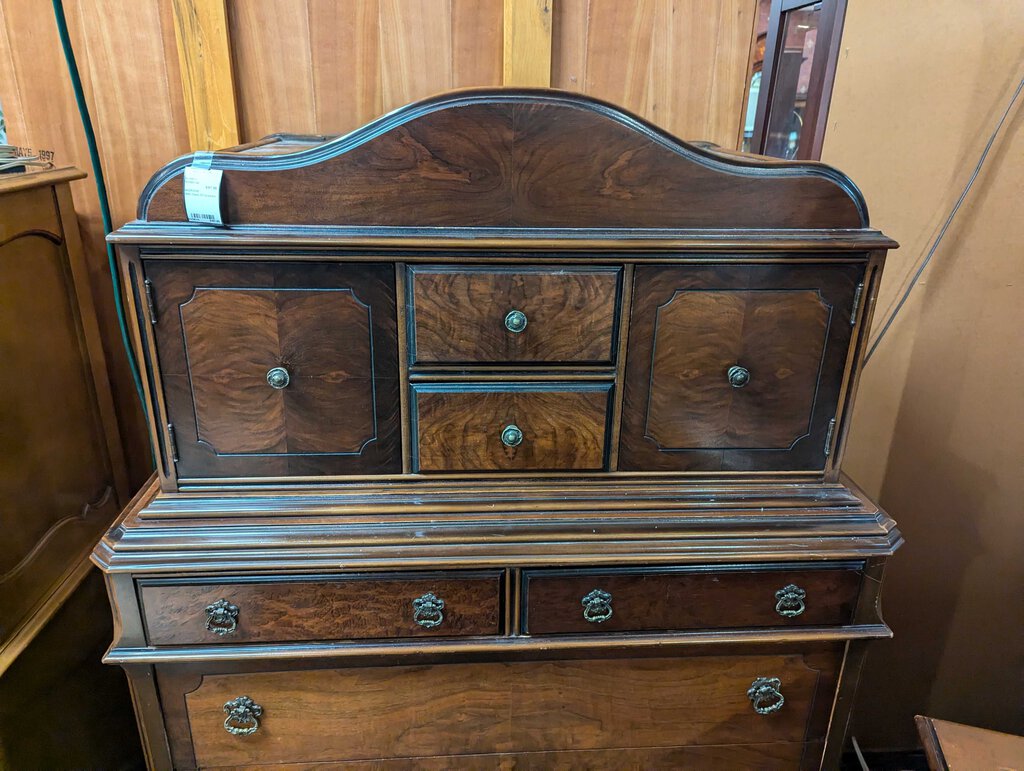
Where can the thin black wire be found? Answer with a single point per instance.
(945, 226)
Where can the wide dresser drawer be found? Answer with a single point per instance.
(598, 711)
(526, 427)
(292, 609)
(466, 315)
(660, 599)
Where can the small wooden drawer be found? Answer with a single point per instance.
(647, 600)
(527, 427)
(462, 315)
(285, 609)
(450, 715)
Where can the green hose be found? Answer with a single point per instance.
(101, 190)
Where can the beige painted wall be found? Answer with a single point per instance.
(939, 427)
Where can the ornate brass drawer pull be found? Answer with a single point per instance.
(427, 610)
(790, 601)
(597, 606)
(765, 695)
(515, 321)
(511, 435)
(278, 378)
(221, 617)
(738, 376)
(243, 716)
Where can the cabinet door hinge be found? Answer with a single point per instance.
(828, 437)
(856, 303)
(149, 301)
(173, 441)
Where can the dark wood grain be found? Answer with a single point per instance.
(222, 328)
(523, 158)
(771, 756)
(466, 206)
(414, 711)
(458, 315)
(321, 608)
(459, 428)
(649, 600)
(789, 326)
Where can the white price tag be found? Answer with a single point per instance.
(202, 195)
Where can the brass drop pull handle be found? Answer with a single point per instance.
(243, 716)
(221, 617)
(511, 435)
(597, 606)
(738, 376)
(765, 695)
(278, 378)
(515, 321)
(790, 601)
(426, 610)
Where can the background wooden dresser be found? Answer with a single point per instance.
(62, 482)
(504, 431)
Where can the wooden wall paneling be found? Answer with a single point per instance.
(204, 59)
(270, 45)
(477, 47)
(416, 36)
(126, 54)
(345, 46)
(328, 68)
(653, 57)
(526, 53)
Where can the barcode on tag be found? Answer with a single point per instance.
(202, 195)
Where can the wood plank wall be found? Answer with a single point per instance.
(166, 77)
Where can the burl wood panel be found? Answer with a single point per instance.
(465, 709)
(522, 158)
(322, 337)
(321, 608)
(459, 428)
(787, 325)
(56, 479)
(458, 315)
(684, 599)
(221, 328)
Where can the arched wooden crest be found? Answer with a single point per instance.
(518, 158)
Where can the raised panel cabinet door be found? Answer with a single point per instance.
(735, 367)
(56, 477)
(278, 369)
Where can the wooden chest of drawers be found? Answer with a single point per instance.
(504, 432)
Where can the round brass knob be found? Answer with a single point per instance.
(511, 435)
(515, 321)
(738, 376)
(278, 378)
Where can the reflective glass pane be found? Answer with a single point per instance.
(799, 30)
